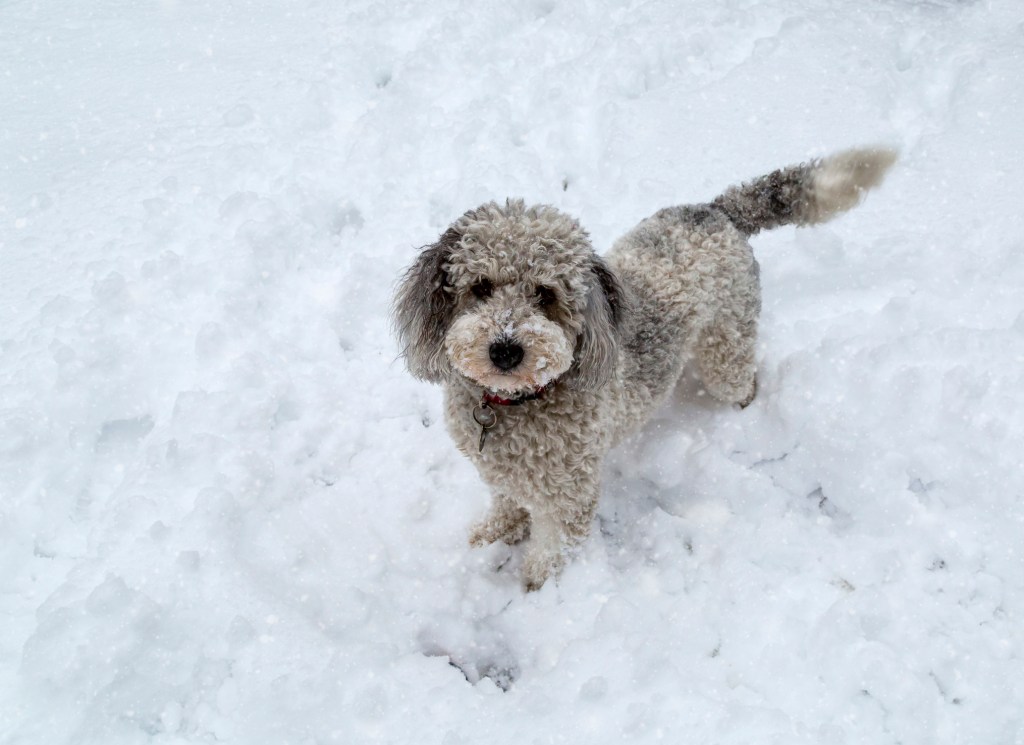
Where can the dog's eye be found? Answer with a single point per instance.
(482, 289)
(546, 296)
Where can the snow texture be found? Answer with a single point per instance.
(227, 514)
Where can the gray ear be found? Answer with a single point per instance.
(598, 343)
(423, 310)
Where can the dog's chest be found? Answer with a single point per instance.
(537, 437)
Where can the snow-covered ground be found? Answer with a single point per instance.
(227, 513)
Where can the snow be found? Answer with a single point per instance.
(227, 513)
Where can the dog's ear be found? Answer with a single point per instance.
(598, 343)
(423, 310)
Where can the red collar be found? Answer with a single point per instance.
(495, 400)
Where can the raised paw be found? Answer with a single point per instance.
(509, 527)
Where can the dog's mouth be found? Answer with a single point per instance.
(512, 358)
(512, 382)
(517, 368)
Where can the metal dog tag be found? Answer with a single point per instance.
(486, 417)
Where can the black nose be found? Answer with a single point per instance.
(506, 355)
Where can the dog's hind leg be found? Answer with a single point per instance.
(725, 355)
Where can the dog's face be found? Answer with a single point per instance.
(512, 299)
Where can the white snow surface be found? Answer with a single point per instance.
(229, 515)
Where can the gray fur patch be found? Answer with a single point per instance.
(779, 198)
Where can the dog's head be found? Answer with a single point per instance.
(511, 298)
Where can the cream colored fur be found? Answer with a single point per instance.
(608, 338)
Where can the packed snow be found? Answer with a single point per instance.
(228, 514)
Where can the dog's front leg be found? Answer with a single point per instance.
(557, 527)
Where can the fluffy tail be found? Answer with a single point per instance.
(808, 193)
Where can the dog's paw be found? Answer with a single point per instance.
(749, 398)
(538, 568)
(507, 528)
(482, 534)
(485, 534)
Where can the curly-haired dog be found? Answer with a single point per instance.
(550, 355)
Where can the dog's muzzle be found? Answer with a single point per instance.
(505, 354)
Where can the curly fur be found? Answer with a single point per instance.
(606, 340)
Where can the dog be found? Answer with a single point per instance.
(549, 354)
